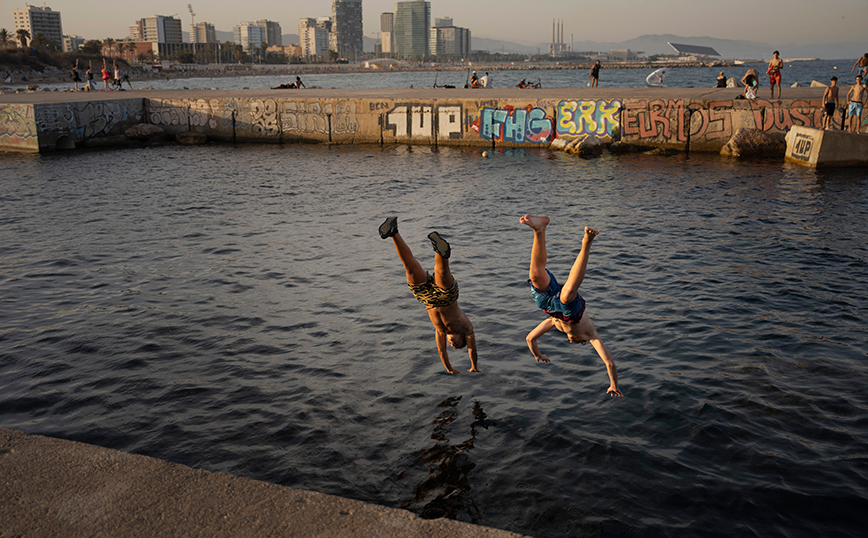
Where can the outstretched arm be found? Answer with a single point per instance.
(471, 349)
(444, 355)
(603, 351)
(532, 337)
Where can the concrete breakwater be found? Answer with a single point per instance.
(51, 487)
(679, 118)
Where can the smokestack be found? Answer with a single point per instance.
(553, 32)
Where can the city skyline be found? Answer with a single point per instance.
(797, 21)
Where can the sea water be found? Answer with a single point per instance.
(803, 73)
(233, 309)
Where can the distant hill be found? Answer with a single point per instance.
(658, 44)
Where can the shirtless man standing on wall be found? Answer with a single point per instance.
(439, 294)
(855, 101)
(774, 72)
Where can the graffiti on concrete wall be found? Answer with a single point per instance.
(599, 118)
(314, 117)
(90, 119)
(529, 125)
(17, 122)
(407, 120)
(261, 117)
(185, 112)
(673, 120)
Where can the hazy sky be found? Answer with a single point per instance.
(522, 21)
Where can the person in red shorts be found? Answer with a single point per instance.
(774, 72)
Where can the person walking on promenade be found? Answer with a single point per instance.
(862, 64)
(439, 294)
(830, 103)
(774, 73)
(855, 101)
(563, 304)
(595, 75)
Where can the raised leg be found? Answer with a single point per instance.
(442, 274)
(415, 273)
(577, 272)
(538, 255)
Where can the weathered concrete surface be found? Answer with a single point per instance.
(703, 118)
(818, 147)
(54, 488)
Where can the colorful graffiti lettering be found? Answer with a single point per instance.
(17, 122)
(673, 120)
(597, 118)
(527, 125)
(414, 120)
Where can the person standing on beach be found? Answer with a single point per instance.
(595, 75)
(76, 78)
(106, 76)
(855, 100)
(439, 294)
(563, 304)
(774, 73)
(862, 64)
(830, 103)
(89, 74)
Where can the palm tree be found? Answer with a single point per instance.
(22, 35)
(111, 43)
(4, 38)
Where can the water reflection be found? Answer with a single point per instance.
(445, 492)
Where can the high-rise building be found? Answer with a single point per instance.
(449, 42)
(412, 20)
(313, 36)
(72, 42)
(157, 29)
(39, 20)
(443, 22)
(203, 32)
(387, 24)
(272, 32)
(249, 35)
(346, 35)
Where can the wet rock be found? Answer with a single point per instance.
(815, 84)
(623, 147)
(585, 146)
(190, 138)
(665, 152)
(753, 143)
(558, 144)
(144, 131)
(106, 141)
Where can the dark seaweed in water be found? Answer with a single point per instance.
(234, 309)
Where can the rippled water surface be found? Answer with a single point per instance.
(233, 309)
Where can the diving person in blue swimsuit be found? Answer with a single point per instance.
(563, 304)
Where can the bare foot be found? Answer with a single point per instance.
(474, 369)
(537, 222)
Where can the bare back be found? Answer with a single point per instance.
(450, 319)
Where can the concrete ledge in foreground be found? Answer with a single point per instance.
(52, 487)
(822, 148)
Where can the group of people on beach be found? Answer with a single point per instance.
(115, 77)
(564, 307)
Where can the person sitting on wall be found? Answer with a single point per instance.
(474, 80)
(721, 80)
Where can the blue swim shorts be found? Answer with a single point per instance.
(855, 109)
(549, 300)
